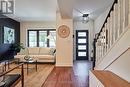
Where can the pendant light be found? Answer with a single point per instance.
(85, 17)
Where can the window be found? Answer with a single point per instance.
(32, 38)
(52, 38)
(41, 38)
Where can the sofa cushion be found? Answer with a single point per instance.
(45, 57)
(44, 51)
(33, 56)
(33, 50)
(19, 56)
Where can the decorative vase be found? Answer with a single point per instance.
(28, 58)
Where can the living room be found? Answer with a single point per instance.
(64, 43)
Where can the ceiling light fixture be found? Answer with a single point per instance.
(85, 17)
(6, 0)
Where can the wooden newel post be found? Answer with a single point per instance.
(94, 53)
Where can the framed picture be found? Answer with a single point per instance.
(9, 35)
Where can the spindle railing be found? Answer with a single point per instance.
(114, 26)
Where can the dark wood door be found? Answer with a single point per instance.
(81, 44)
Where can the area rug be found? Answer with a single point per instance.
(35, 79)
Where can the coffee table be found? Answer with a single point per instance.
(28, 62)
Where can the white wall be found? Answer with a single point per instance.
(24, 26)
(122, 66)
(64, 46)
(78, 25)
(98, 22)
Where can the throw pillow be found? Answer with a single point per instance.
(52, 51)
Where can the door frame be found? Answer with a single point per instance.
(87, 45)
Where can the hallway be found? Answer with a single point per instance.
(69, 77)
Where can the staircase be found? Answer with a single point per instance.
(113, 41)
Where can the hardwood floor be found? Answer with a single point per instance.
(81, 72)
(35, 79)
(69, 77)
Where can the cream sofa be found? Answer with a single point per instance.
(41, 54)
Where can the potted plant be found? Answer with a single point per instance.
(16, 47)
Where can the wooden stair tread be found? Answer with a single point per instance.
(109, 79)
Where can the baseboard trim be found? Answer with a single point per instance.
(42, 62)
(64, 65)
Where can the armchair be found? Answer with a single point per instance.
(11, 80)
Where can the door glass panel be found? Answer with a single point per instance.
(82, 47)
(42, 38)
(81, 34)
(81, 40)
(81, 53)
(32, 38)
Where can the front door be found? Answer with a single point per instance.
(81, 44)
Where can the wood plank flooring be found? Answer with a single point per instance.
(35, 79)
(109, 79)
(69, 77)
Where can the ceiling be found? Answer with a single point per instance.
(92, 7)
(35, 10)
(65, 8)
(45, 10)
